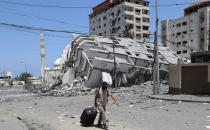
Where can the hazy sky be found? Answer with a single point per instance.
(18, 46)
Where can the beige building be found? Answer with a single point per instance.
(191, 78)
(122, 18)
(189, 33)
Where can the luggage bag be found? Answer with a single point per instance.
(88, 116)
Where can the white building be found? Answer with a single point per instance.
(189, 33)
(122, 18)
(7, 76)
(52, 74)
(35, 80)
(18, 83)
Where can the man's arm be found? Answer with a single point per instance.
(96, 96)
(114, 99)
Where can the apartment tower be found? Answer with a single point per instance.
(121, 18)
(189, 33)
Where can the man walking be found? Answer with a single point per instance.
(101, 100)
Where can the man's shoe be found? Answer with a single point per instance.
(105, 127)
(99, 125)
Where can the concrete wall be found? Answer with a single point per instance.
(175, 79)
(94, 80)
(51, 75)
(190, 78)
(195, 80)
(68, 77)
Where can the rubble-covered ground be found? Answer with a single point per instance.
(65, 90)
(21, 110)
(77, 88)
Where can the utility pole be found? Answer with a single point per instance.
(115, 67)
(156, 57)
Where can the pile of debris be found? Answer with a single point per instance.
(145, 88)
(139, 93)
(75, 89)
(68, 91)
(78, 88)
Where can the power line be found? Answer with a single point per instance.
(35, 33)
(44, 6)
(176, 4)
(39, 29)
(44, 19)
(26, 28)
(74, 7)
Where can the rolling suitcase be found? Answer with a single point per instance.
(88, 116)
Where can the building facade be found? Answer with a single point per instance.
(35, 80)
(122, 18)
(52, 74)
(5, 79)
(189, 33)
(6, 76)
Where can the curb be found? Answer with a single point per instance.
(183, 100)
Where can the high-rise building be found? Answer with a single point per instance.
(190, 33)
(122, 18)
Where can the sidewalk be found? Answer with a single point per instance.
(183, 98)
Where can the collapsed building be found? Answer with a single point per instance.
(130, 61)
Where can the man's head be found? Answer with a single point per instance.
(104, 85)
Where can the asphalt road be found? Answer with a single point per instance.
(20, 110)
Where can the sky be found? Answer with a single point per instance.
(19, 48)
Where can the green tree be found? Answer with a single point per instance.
(25, 77)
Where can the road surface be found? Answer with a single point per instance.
(20, 110)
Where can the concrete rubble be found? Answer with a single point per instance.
(138, 93)
(88, 57)
(66, 90)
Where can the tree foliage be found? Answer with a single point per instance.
(24, 77)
